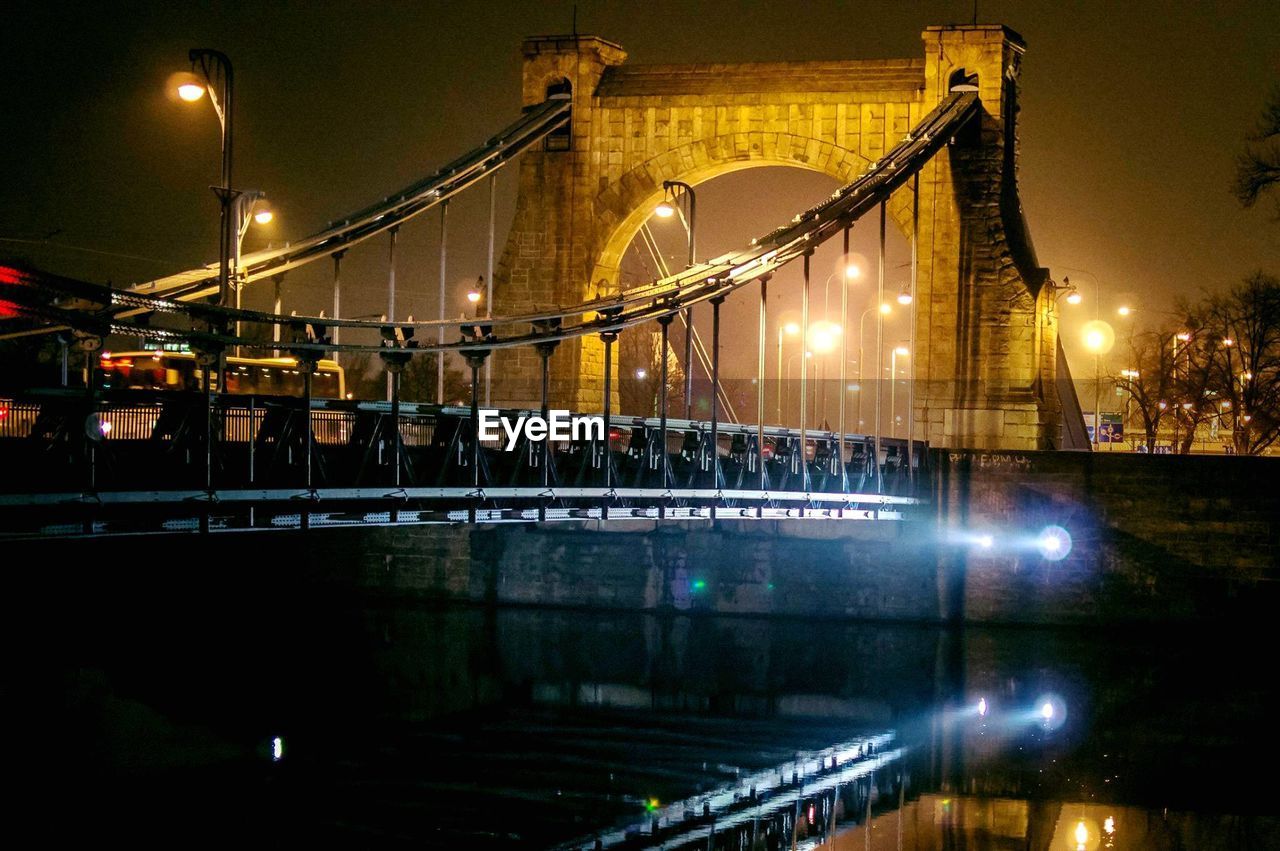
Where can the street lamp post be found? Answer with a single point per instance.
(244, 216)
(851, 273)
(862, 336)
(219, 83)
(821, 340)
(789, 328)
(1095, 340)
(666, 209)
(898, 351)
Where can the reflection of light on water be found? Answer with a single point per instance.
(1109, 825)
(1050, 712)
(1082, 834)
(982, 707)
(277, 749)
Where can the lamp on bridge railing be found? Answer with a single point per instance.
(904, 297)
(475, 295)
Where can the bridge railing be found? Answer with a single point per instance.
(163, 457)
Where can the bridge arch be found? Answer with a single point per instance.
(986, 363)
(626, 203)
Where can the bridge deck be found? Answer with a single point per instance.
(163, 461)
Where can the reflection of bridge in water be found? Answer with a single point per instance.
(542, 728)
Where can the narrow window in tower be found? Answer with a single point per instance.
(560, 138)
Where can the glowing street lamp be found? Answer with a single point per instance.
(1124, 310)
(823, 336)
(475, 296)
(1074, 297)
(190, 87)
(1098, 338)
(904, 297)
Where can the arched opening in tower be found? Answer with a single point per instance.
(732, 209)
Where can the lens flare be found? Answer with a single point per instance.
(1049, 712)
(1054, 543)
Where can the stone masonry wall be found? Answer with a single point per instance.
(1153, 538)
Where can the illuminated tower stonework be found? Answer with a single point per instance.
(986, 333)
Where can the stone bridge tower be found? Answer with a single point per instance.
(986, 327)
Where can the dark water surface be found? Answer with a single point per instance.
(414, 725)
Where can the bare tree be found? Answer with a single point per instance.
(1243, 330)
(1193, 376)
(1148, 380)
(1258, 166)
(640, 373)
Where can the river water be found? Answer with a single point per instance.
(305, 717)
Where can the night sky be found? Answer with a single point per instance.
(1132, 115)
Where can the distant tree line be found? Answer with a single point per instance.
(1222, 363)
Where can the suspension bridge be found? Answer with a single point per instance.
(929, 144)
